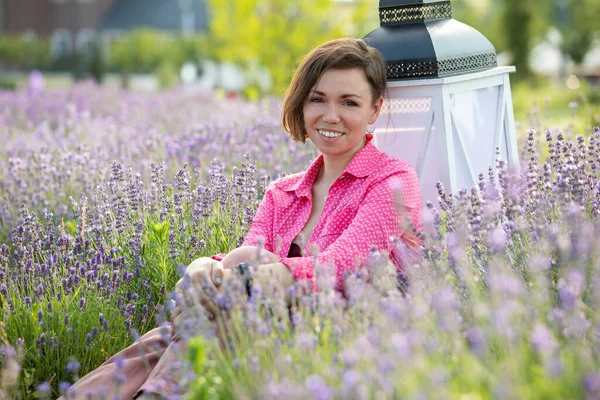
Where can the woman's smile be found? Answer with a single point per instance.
(329, 134)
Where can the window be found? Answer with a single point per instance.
(61, 43)
(85, 41)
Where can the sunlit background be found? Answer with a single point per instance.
(106, 190)
(249, 48)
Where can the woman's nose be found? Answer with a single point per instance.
(331, 115)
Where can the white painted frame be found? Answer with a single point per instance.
(442, 127)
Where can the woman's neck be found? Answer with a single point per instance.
(334, 166)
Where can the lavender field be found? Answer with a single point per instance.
(105, 195)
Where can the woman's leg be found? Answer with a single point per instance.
(166, 374)
(122, 375)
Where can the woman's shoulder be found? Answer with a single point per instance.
(388, 165)
(287, 182)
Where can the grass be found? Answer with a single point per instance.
(549, 104)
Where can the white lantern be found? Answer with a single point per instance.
(449, 105)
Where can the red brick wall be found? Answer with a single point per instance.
(45, 16)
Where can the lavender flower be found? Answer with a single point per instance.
(73, 366)
(318, 389)
(44, 390)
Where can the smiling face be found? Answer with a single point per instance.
(337, 111)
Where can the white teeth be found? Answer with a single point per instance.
(329, 134)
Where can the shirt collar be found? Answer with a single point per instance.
(362, 165)
(364, 162)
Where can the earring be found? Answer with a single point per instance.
(369, 135)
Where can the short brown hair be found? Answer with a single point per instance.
(343, 53)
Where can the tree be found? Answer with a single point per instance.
(577, 21)
(272, 33)
(518, 19)
(513, 26)
(484, 17)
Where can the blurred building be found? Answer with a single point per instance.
(185, 16)
(72, 25)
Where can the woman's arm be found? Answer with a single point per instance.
(273, 278)
(248, 254)
(376, 221)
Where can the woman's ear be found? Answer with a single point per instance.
(376, 110)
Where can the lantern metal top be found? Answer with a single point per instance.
(420, 39)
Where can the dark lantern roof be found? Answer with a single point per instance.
(420, 39)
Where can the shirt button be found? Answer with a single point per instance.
(342, 177)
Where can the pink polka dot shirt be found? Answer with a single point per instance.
(367, 205)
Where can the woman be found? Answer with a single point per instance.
(343, 204)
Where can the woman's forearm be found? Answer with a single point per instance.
(275, 274)
(247, 254)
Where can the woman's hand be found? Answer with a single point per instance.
(203, 278)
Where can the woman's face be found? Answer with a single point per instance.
(337, 111)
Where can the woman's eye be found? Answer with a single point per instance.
(351, 103)
(316, 100)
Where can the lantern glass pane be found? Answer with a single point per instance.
(476, 132)
(402, 125)
(406, 129)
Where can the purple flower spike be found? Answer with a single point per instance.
(63, 387)
(73, 366)
(318, 389)
(44, 389)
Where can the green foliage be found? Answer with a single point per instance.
(143, 50)
(193, 47)
(274, 34)
(488, 21)
(151, 51)
(517, 26)
(7, 83)
(167, 74)
(517, 19)
(544, 105)
(155, 251)
(26, 53)
(579, 27)
(97, 62)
